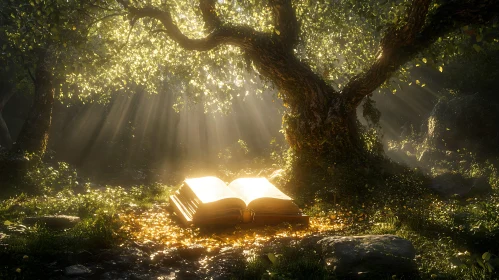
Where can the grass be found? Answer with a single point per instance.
(454, 238)
(24, 250)
(291, 263)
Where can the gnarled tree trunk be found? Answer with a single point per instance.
(321, 125)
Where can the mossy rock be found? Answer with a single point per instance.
(368, 256)
(455, 185)
(468, 122)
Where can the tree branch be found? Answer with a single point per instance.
(456, 14)
(401, 44)
(285, 22)
(210, 17)
(234, 35)
(392, 52)
(104, 18)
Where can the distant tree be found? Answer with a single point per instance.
(40, 42)
(5, 138)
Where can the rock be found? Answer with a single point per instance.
(58, 222)
(193, 252)
(82, 257)
(451, 155)
(358, 256)
(169, 258)
(425, 156)
(408, 147)
(76, 270)
(448, 185)
(480, 186)
(429, 155)
(468, 121)
(224, 265)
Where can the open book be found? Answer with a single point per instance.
(209, 201)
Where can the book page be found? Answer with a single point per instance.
(210, 189)
(249, 189)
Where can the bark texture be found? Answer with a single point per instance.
(321, 125)
(5, 138)
(34, 134)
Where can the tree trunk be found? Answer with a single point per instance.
(34, 134)
(328, 150)
(320, 126)
(5, 138)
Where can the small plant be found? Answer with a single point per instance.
(291, 263)
(488, 262)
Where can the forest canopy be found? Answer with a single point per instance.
(338, 39)
(107, 106)
(324, 57)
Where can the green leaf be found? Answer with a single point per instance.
(272, 258)
(480, 262)
(486, 256)
(477, 47)
(490, 268)
(7, 223)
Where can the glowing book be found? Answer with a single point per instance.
(209, 201)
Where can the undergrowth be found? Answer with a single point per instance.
(290, 263)
(59, 193)
(455, 238)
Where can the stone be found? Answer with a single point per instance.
(169, 258)
(467, 121)
(480, 186)
(358, 256)
(430, 155)
(449, 185)
(82, 257)
(192, 252)
(77, 270)
(57, 222)
(408, 147)
(225, 265)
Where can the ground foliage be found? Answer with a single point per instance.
(454, 239)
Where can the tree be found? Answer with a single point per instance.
(5, 138)
(40, 38)
(324, 57)
(5, 94)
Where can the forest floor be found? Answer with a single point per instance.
(131, 233)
